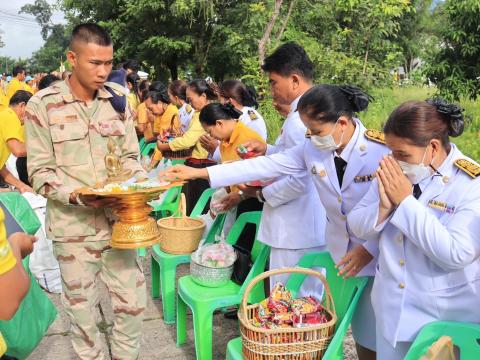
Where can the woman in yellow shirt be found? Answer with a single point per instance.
(132, 85)
(199, 94)
(222, 122)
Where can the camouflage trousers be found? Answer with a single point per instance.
(80, 265)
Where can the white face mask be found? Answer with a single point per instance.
(327, 142)
(416, 172)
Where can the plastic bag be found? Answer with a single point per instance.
(217, 255)
(21, 211)
(26, 329)
(216, 206)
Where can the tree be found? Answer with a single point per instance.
(49, 56)
(454, 65)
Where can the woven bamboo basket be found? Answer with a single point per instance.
(308, 343)
(180, 235)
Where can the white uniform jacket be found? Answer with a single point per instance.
(428, 262)
(320, 167)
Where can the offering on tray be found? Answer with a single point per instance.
(130, 185)
(245, 154)
(279, 310)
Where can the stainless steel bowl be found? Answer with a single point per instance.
(209, 276)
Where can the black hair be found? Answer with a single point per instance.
(90, 33)
(133, 79)
(326, 103)
(216, 111)
(422, 121)
(143, 89)
(200, 86)
(17, 70)
(158, 92)
(179, 88)
(131, 64)
(235, 89)
(290, 58)
(21, 96)
(46, 81)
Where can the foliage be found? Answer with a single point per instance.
(454, 65)
(56, 37)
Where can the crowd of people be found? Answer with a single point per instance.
(400, 207)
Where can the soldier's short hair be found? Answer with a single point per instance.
(90, 33)
(21, 96)
(289, 58)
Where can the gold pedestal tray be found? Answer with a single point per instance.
(135, 228)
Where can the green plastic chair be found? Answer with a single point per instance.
(465, 336)
(148, 149)
(203, 301)
(141, 144)
(164, 265)
(345, 293)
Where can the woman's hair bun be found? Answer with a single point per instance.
(451, 113)
(231, 111)
(357, 97)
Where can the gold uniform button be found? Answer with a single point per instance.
(344, 218)
(445, 179)
(400, 238)
(401, 286)
(339, 199)
(363, 147)
(402, 262)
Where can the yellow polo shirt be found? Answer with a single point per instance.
(240, 135)
(14, 85)
(7, 263)
(168, 119)
(10, 128)
(142, 118)
(133, 101)
(191, 139)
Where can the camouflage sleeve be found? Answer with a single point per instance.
(131, 150)
(41, 157)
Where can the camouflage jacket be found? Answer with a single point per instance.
(66, 143)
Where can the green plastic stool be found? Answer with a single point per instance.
(203, 301)
(345, 293)
(465, 336)
(164, 265)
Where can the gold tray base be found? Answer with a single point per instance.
(134, 236)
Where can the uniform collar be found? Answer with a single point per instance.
(294, 104)
(347, 152)
(446, 169)
(69, 97)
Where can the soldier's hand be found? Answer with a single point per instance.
(23, 242)
(97, 202)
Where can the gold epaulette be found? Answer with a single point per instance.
(468, 167)
(375, 135)
(252, 114)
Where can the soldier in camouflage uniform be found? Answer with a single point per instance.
(67, 129)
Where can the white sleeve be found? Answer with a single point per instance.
(288, 162)
(451, 246)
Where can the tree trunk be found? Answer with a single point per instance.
(365, 60)
(262, 44)
(285, 21)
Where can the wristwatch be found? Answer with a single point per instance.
(260, 196)
(79, 201)
(242, 195)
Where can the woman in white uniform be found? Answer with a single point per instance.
(341, 157)
(424, 207)
(244, 99)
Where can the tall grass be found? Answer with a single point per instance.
(385, 101)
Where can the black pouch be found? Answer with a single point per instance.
(242, 265)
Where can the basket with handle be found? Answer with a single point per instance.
(180, 235)
(305, 343)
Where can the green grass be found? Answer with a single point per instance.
(386, 100)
